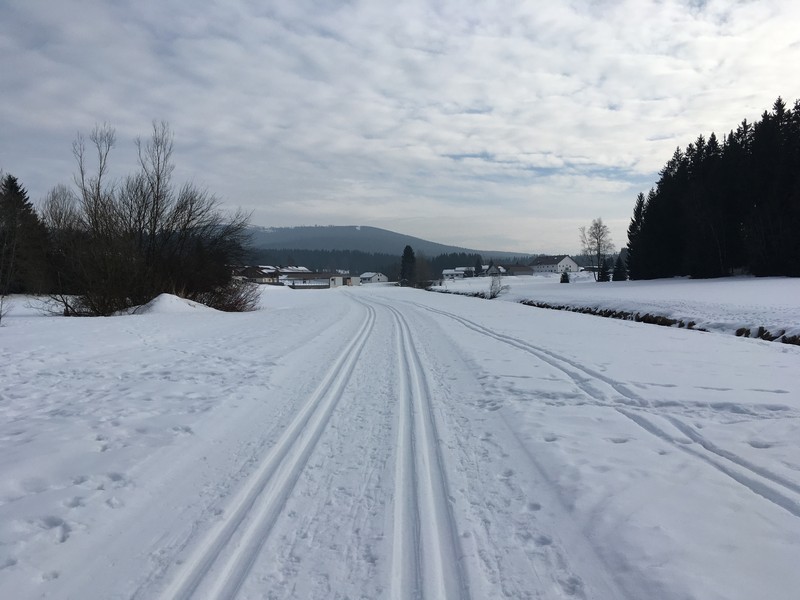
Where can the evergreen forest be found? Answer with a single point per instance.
(724, 207)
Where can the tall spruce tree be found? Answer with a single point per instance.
(620, 273)
(408, 267)
(23, 241)
(635, 256)
(478, 266)
(603, 274)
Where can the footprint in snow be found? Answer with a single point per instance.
(572, 586)
(550, 438)
(74, 502)
(118, 479)
(57, 524)
(760, 444)
(114, 502)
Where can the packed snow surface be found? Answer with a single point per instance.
(381, 442)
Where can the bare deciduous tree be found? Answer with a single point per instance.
(596, 243)
(126, 242)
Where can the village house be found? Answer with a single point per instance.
(554, 264)
(370, 277)
(513, 270)
(461, 272)
(294, 277)
(260, 274)
(316, 281)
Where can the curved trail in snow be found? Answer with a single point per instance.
(758, 480)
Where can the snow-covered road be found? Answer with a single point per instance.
(381, 442)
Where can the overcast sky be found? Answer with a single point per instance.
(490, 125)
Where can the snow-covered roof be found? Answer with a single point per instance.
(548, 260)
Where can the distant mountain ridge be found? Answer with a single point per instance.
(357, 238)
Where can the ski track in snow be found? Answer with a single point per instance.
(432, 540)
(426, 557)
(391, 445)
(221, 563)
(759, 480)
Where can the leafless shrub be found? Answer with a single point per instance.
(236, 296)
(496, 287)
(121, 244)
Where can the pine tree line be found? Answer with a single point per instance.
(722, 208)
(23, 241)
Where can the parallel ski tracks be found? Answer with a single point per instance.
(774, 488)
(426, 554)
(220, 564)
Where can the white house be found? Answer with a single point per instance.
(370, 277)
(309, 280)
(451, 274)
(495, 270)
(554, 264)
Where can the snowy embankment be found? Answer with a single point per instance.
(753, 307)
(383, 442)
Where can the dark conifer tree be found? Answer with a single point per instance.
(636, 264)
(620, 272)
(720, 208)
(23, 241)
(408, 267)
(603, 274)
(478, 266)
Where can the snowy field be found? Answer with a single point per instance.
(720, 305)
(381, 442)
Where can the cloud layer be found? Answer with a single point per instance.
(488, 125)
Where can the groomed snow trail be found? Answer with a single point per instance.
(426, 557)
(390, 443)
(223, 560)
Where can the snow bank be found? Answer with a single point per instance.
(720, 305)
(169, 304)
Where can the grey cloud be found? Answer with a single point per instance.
(465, 122)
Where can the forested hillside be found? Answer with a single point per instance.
(722, 207)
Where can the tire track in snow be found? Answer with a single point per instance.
(586, 379)
(426, 554)
(220, 563)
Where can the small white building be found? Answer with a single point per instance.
(370, 277)
(554, 264)
(309, 280)
(452, 274)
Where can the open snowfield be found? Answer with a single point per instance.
(720, 305)
(380, 442)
